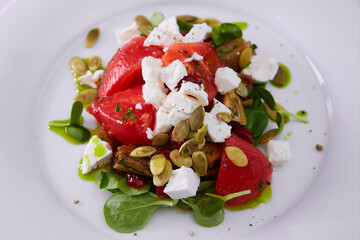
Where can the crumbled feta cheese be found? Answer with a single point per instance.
(90, 121)
(160, 37)
(176, 115)
(173, 73)
(183, 183)
(261, 69)
(197, 33)
(154, 94)
(149, 133)
(125, 35)
(151, 69)
(218, 130)
(181, 102)
(219, 107)
(91, 79)
(195, 91)
(195, 56)
(165, 49)
(138, 106)
(163, 122)
(278, 152)
(97, 153)
(226, 79)
(171, 26)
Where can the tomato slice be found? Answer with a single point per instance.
(204, 70)
(111, 111)
(124, 69)
(255, 176)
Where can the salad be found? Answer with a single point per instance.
(180, 110)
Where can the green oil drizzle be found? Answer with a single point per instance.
(287, 79)
(302, 113)
(296, 92)
(263, 198)
(288, 135)
(63, 133)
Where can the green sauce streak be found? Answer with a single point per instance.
(99, 150)
(263, 198)
(287, 79)
(302, 113)
(67, 137)
(94, 175)
(288, 135)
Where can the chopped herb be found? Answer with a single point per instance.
(236, 113)
(118, 108)
(121, 161)
(269, 166)
(133, 116)
(253, 47)
(127, 114)
(261, 186)
(196, 66)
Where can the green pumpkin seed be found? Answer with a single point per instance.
(201, 144)
(144, 151)
(142, 21)
(94, 63)
(201, 133)
(92, 37)
(200, 164)
(78, 66)
(197, 118)
(179, 160)
(187, 18)
(268, 136)
(224, 116)
(191, 134)
(181, 131)
(245, 57)
(272, 114)
(157, 164)
(280, 77)
(242, 90)
(188, 148)
(163, 178)
(87, 96)
(144, 31)
(212, 22)
(236, 156)
(160, 139)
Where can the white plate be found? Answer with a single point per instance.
(315, 196)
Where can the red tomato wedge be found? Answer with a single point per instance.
(204, 70)
(124, 69)
(111, 111)
(255, 176)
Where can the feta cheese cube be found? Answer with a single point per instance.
(183, 183)
(151, 69)
(170, 25)
(91, 79)
(149, 133)
(163, 122)
(195, 91)
(195, 56)
(278, 152)
(217, 130)
(154, 94)
(138, 106)
(125, 35)
(90, 121)
(160, 37)
(219, 107)
(181, 102)
(173, 73)
(262, 69)
(176, 115)
(197, 33)
(226, 79)
(97, 153)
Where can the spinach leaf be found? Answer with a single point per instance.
(205, 185)
(267, 97)
(256, 120)
(156, 18)
(126, 213)
(184, 27)
(225, 33)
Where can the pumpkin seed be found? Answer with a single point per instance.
(201, 133)
(242, 90)
(188, 148)
(201, 144)
(272, 114)
(236, 156)
(144, 151)
(197, 118)
(92, 37)
(224, 116)
(268, 136)
(179, 160)
(212, 22)
(187, 18)
(157, 164)
(163, 178)
(78, 66)
(280, 77)
(87, 96)
(200, 164)
(233, 101)
(142, 21)
(160, 139)
(180, 131)
(191, 134)
(245, 57)
(144, 31)
(94, 63)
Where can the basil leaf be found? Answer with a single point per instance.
(59, 123)
(267, 97)
(241, 25)
(256, 120)
(184, 27)
(76, 111)
(78, 132)
(280, 122)
(156, 18)
(126, 213)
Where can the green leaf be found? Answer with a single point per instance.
(256, 120)
(225, 33)
(267, 97)
(204, 185)
(59, 123)
(241, 25)
(280, 122)
(76, 111)
(184, 27)
(78, 132)
(156, 18)
(126, 213)
(212, 207)
(254, 47)
(125, 188)
(113, 181)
